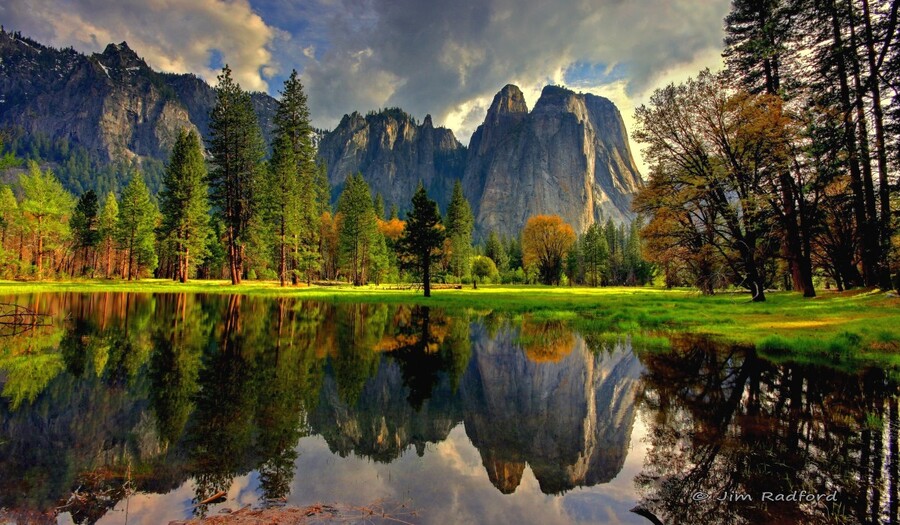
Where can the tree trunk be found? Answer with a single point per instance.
(282, 262)
(232, 257)
(871, 236)
(426, 275)
(40, 251)
(792, 246)
(108, 258)
(184, 266)
(856, 183)
(884, 278)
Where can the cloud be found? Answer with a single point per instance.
(172, 36)
(450, 58)
(443, 58)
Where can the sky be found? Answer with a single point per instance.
(444, 58)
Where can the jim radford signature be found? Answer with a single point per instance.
(800, 496)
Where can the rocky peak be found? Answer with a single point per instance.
(569, 156)
(394, 153)
(509, 101)
(120, 60)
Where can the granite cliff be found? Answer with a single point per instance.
(394, 153)
(568, 156)
(111, 103)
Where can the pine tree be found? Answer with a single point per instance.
(109, 220)
(283, 191)
(596, 254)
(323, 188)
(47, 205)
(136, 225)
(379, 206)
(358, 228)
(494, 249)
(85, 225)
(459, 224)
(184, 204)
(298, 206)
(237, 151)
(423, 235)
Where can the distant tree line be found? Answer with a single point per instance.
(782, 170)
(231, 212)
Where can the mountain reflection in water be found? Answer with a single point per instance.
(156, 402)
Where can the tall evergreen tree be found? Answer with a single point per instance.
(459, 225)
(756, 38)
(237, 151)
(423, 236)
(379, 206)
(358, 228)
(298, 179)
(85, 225)
(494, 249)
(108, 224)
(184, 203)
(283, 192)
(595, 251)
(136, 225)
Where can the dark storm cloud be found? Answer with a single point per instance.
(447, 58)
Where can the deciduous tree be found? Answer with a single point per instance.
(546, 240)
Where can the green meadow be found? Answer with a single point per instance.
(850, 327)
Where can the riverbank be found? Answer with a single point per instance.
(833, 325)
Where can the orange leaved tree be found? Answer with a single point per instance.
(546, 240)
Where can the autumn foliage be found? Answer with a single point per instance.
(546, 240)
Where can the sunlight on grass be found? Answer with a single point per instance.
(832, 325)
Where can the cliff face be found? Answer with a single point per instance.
(569, 156)
(111, 103)
(394, 153)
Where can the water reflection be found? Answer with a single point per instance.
(277, 400)
(725, 423)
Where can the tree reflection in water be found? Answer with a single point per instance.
(723, 421)
(156, 390)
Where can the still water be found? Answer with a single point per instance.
(132, 408)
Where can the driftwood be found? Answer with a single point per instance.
(16, 319)
(214, 498)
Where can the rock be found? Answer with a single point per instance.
(394, 153)
(570, 156)
(112, 103)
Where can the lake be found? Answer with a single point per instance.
(135, 408)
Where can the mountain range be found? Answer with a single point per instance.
(569, 155)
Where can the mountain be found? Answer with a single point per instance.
(93, 117)
(111, 103)
(569, 156)
(394, 153)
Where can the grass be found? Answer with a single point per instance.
(833, 326)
